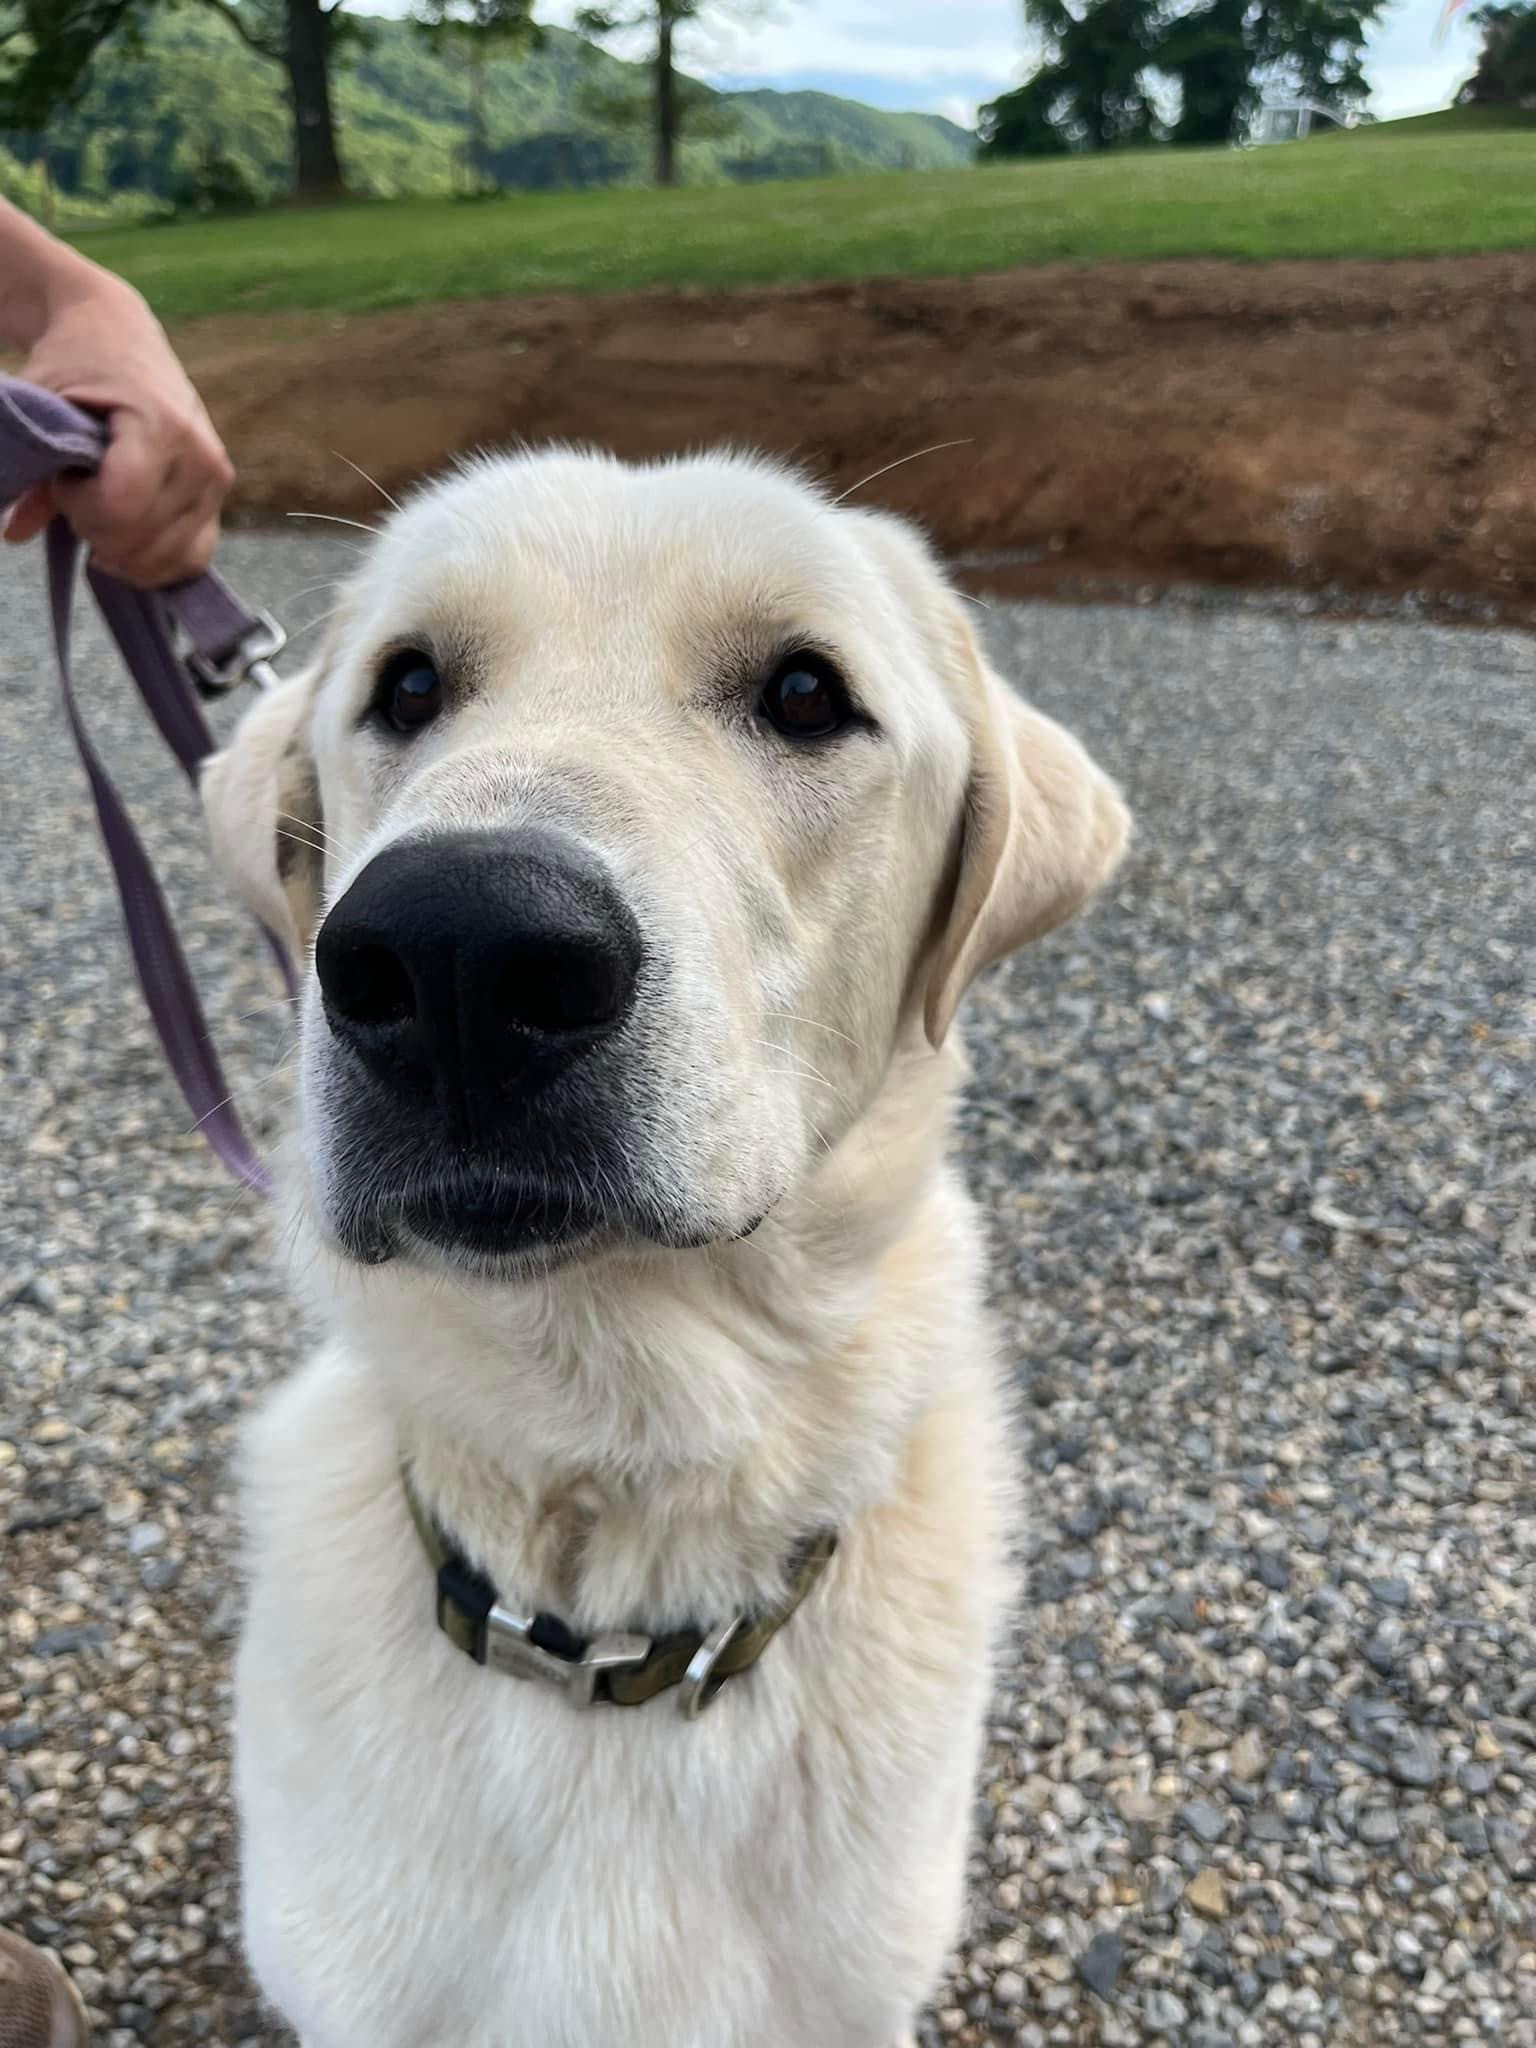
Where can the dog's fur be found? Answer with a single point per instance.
(636, 1433)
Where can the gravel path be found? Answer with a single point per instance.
(1258, 1142)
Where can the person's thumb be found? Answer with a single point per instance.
(30, 514)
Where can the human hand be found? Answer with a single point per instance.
(150, 515)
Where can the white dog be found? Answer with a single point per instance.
(628, 1563)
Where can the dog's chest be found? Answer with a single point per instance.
(438, 1854)
(564, 1878)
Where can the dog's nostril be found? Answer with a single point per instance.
(468, 971)
(369, 985)
(564, 987)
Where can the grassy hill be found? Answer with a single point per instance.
(1452, 121)
(1409, 195)
(195, 112)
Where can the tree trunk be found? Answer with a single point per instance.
(318, 174)
(1213, 93)
(666, 99)
(477, 137)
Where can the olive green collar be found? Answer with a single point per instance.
(613, 1670)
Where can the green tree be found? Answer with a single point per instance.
(1032, 120)
(1506, 69)
(47, 48)
(1207, 50)
(303, 36)
(1223, 52)
(476, 26)
(1091, 90)
(679, 104)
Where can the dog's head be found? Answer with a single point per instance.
(631, 821)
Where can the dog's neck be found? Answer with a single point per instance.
(644, 1439)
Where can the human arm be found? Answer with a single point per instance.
(151, 513)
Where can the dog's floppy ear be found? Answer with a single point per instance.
(261, 797)
(1044, 829)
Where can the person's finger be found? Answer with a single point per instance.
(181, 549)
(30, 514)
(144, 495)
(120, 510)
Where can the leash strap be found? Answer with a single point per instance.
(44, 437)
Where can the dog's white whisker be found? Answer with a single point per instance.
(334, 519)
(359, 470)
(935, 448)
(310, 625)
(804, 1066)
(264, 1013)
(789, 1017)
(314, 836)
(238, 1194)
(298, 839)
(309, 589)
(244, 1094)
(329, 842)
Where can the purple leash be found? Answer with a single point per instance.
(43, 437)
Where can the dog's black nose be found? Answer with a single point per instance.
(470, 970)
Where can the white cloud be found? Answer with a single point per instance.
(1408, 74)
(955, 106)
(908, 40)
(946, 55)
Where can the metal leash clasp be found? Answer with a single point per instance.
(510, 1649)
(250, 661)
(700, 1685)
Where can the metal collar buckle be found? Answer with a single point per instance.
(249, 661)
(509, 1648)
(699, 1684)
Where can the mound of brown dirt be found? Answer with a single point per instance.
(1369, 425)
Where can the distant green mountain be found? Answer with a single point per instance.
(869, 137)
(192, 117)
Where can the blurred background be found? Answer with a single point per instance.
(1128, 252)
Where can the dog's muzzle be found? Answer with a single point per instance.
(479, 1077)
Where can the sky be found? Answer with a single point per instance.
(946, 56)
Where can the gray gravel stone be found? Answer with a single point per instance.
(1257, 1147)
(1416, 1762)
(1100, 1963)
(1203, 1819)
(1164, 2013)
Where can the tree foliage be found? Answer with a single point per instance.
(678, 104)
(1101, 59)
(1090, 91)
(190, 116)
(1226, 52)
(46, 51)
(1506, 68)
(479, 28)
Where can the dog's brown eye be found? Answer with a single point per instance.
(805, 699)
(410, 691)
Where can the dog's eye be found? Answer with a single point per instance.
(410, 691)
(805, 699)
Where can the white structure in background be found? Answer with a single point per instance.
(1294, 120)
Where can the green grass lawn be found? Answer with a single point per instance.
(1449, 121)
(1440, 186)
